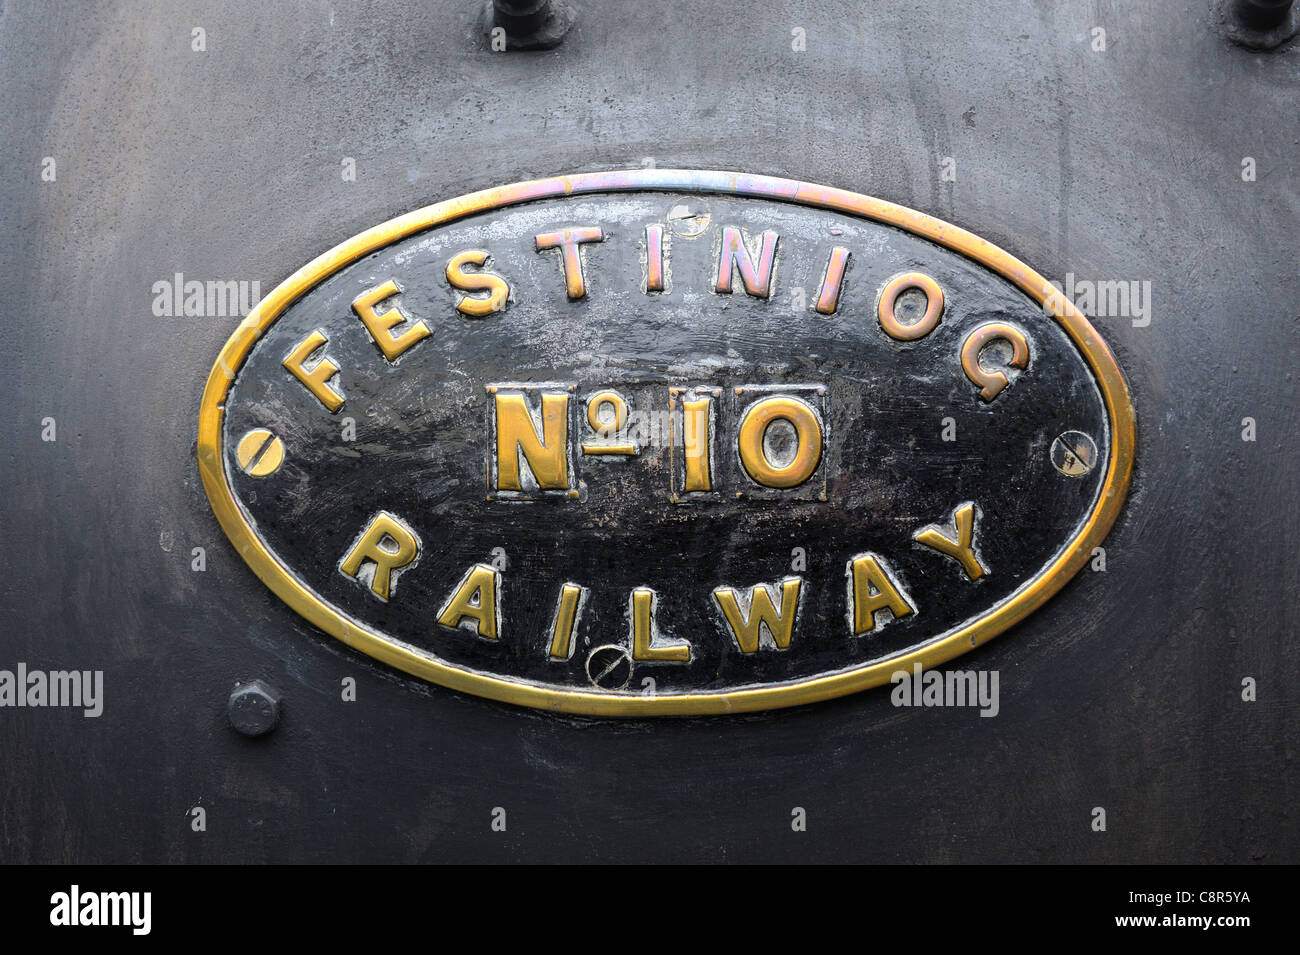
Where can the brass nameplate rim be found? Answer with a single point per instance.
(1121, 419)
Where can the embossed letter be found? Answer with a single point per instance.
(388, 546)
(962, 549)
(761, 614)
(476, 601)
(757, 280)
(381, 326)
(643, 633)
(872, 588)
(547, 454)
(317, 377)
(497, 288)
(567, 241)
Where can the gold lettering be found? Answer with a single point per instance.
(497, 288)
(567, 241)
(753, 451)
(389, 545)
(889, 298)
(697, 415)
(546, 454)
(607, 430)
(991, 383)
(381, 326)
(963, 548)
(643, 633)
(735, 255)
(566, 616)
(829, 299)
(654, 258)
(475, 600)
(315, 378)
(762, 614)
(872, 588)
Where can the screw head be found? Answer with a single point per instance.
(609, 667)
(254, 708)
(689, 221)
(260, 453)
(1074, 454)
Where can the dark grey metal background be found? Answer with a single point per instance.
(1124, 692)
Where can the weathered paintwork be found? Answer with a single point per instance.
(1122, 692)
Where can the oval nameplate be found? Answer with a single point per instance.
(665, 442)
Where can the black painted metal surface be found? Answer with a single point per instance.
(1122, 163)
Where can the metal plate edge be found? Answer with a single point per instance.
(1027, 598)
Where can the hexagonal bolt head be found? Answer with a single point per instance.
(530, 24)
(254, 708)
